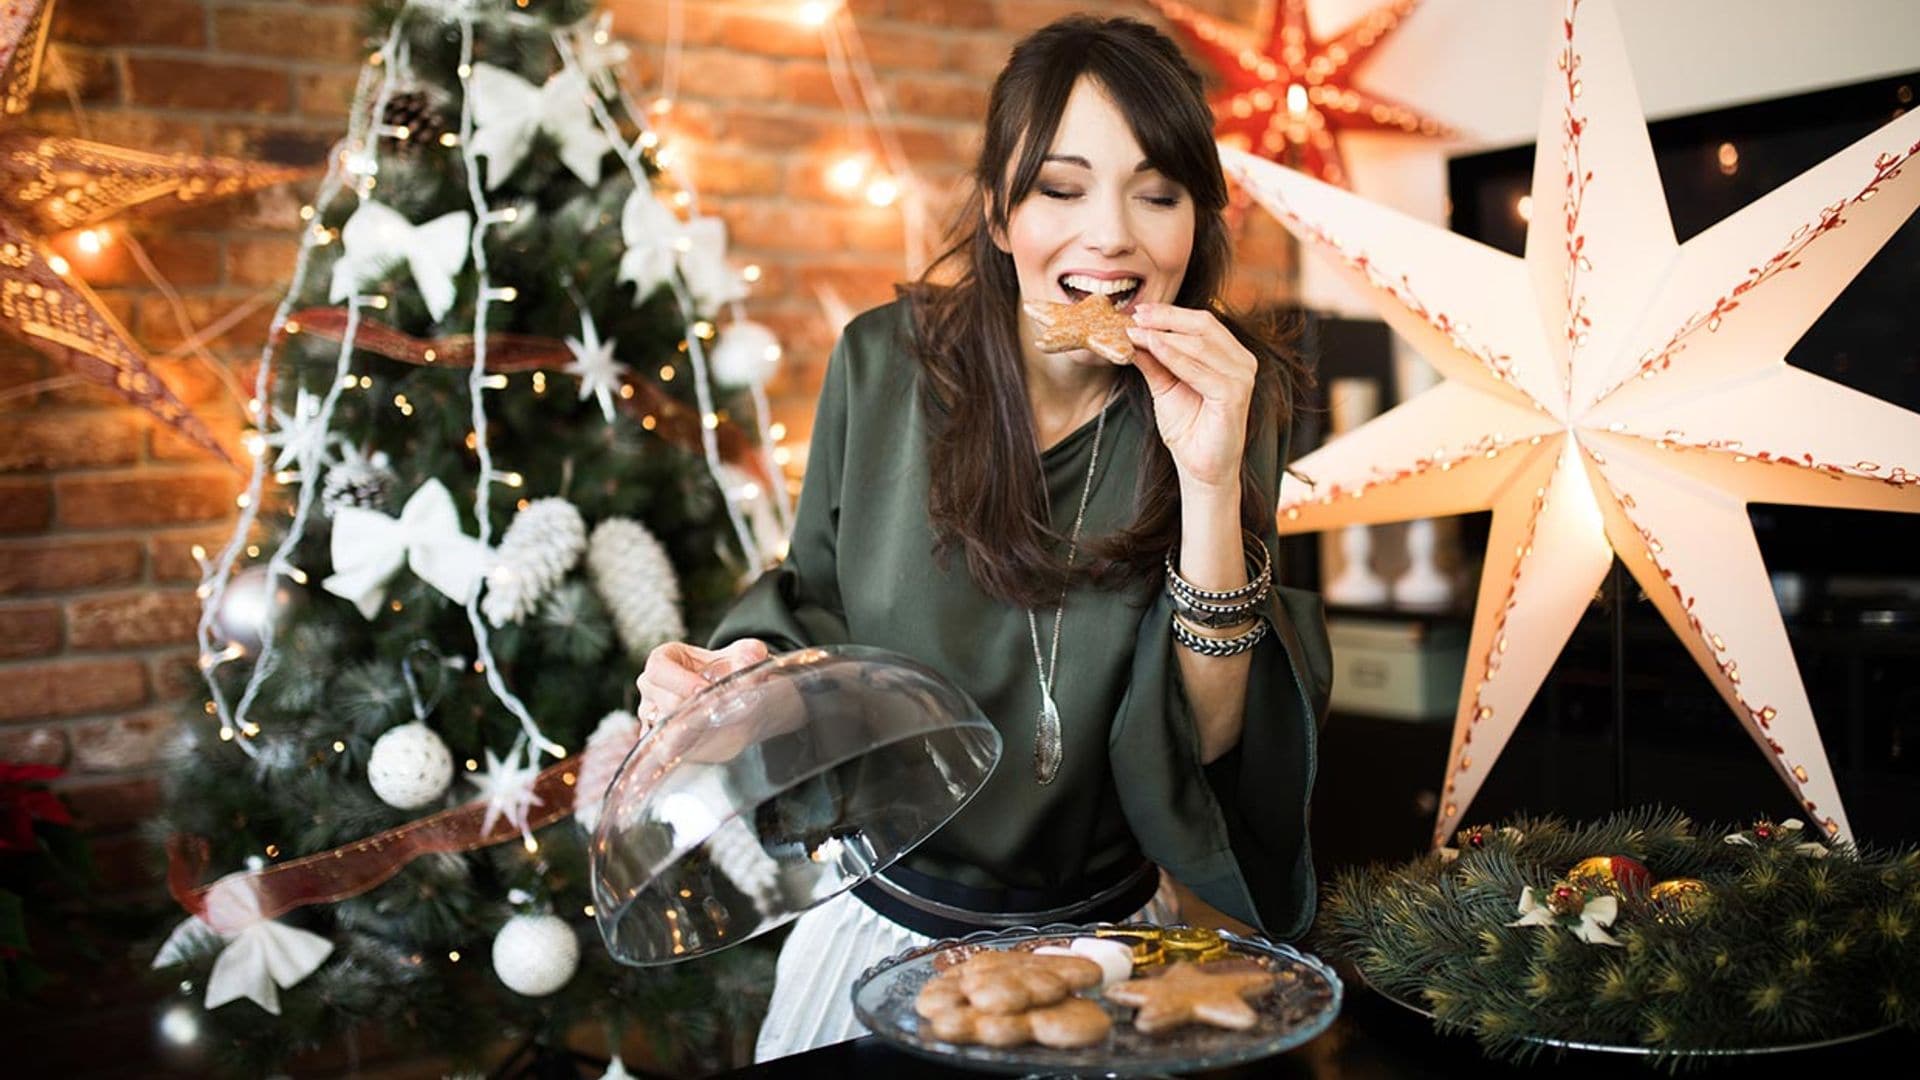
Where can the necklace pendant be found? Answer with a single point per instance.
(1046, 741)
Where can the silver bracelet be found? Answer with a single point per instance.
(1233, 646)
(1218, 616)
(1229, 607)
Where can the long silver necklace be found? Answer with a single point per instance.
(1047, 750)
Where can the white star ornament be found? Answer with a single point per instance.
(1615, 392)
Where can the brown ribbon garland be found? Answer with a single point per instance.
(328, 877)
(508, 353)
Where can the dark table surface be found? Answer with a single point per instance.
(1375, 1038)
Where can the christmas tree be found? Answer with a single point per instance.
(506, 444)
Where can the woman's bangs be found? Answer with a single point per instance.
(1034, 137)
(1178, 146)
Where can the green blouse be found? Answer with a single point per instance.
(860, 570)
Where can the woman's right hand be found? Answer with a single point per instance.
(676, 671)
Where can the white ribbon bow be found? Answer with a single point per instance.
(377, 238)
(369, 548)
(659, 242)
(508, 111)
(710, 277)
(1812, 849)
(649, 231)
(259, 960)
(1595, 917)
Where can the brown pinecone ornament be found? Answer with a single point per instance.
(414, 111)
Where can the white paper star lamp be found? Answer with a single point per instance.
(1616, 392)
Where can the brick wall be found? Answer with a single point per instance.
(98, 508)
(99, 505)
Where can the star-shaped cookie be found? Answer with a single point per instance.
(1188, 992)
(1093, 324)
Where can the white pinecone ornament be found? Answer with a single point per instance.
(633, 575)
(543, 543)
(607, 748)
(535, 954)
(357, 480)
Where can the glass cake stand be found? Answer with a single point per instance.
(1304, 1000)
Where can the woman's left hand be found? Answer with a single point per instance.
(1201, 379)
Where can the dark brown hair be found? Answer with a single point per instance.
(986, 496)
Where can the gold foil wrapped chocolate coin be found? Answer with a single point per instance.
(1193, 943)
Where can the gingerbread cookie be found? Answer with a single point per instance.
(1012, 998)
(1093, 324)
(1188, 993)
(1006, 982)
(1068, 1025)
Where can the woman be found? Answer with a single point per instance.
(1009, 517)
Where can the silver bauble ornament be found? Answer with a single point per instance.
(246, 607)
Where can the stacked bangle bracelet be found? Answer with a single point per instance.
(1198, 613)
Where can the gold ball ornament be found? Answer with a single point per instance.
(1677, 900)
(1616, 875)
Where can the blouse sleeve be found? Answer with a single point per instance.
(1235, 831)
(797, 604)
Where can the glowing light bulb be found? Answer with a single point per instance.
(179, 1025)
(883, 191)
(817, 12)
(847, 173)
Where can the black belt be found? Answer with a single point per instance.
(943, 909)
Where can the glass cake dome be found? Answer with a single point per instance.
(778, 787)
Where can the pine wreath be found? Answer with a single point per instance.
(1784, 940)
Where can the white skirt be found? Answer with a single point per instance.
(828, 949)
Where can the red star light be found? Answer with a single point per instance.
(1285, 98)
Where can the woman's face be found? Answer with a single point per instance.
(1099, 218)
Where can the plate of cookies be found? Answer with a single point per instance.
(1115, 999)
